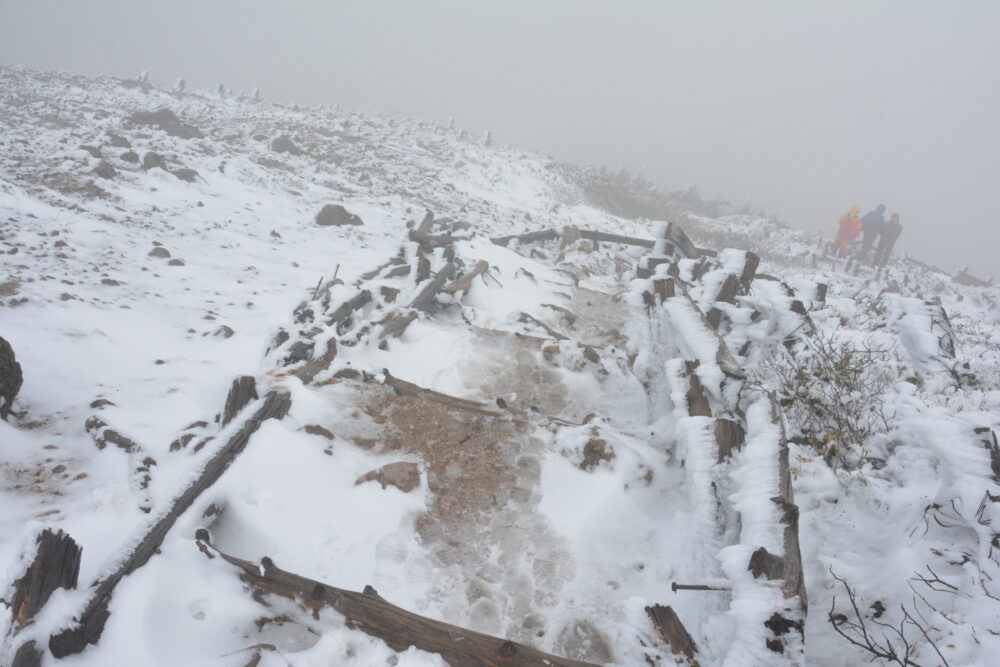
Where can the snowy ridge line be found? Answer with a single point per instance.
(705, 379)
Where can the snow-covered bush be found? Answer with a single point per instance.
(831, 391)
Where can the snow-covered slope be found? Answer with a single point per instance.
(134, 296)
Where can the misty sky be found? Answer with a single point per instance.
(800, 107)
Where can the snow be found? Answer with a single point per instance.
(525, 537)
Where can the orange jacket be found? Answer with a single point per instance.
(850, 227)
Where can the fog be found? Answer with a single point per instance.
(801, 108)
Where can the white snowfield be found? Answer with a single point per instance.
(566, 476)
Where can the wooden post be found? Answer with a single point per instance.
(672, 631)
(56, 565)
(90, 623)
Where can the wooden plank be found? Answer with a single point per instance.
(530, 237)
(400, 629)
(90, 623)
(243, 391)
(348, 308)
(56, 565)
(677, 236)
(730, 437)
(425, 298)
(672, 631)
(319, 363)
(593, 235)
(464, 283)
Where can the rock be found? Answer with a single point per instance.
(151, 159)
(159, 251)
(130, 156)
(176, 262)
(224, 331)
(284, 144)
(11, 377)
(110, 282)
(165, 120)
(105, 170)
(94, 152)
(403, 475)
(595, 452)
(185, 174)
(316, 429)
(336, 215)
(118, 141)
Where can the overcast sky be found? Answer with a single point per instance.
(800, 107)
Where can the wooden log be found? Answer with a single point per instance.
(729, 289)
(404, 388)
(381, 267)
(646, 268)
(660, 291)
(56, 565)
(677, 236)
(400, 629)
(697, 402)
(395, 324)
(616, 238)
(672, 631)
(730, 437)
(820, 296)
(425, 298)
(340, 316)
(749, 270)
(464, 283)
(90, 623)
(531, 237)
(793, 578)
(308, 371)
(528, 319)
(243, 391)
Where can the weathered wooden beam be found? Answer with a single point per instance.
(464, 283)
(348, 308)
(677, 236)
(661, 290)
(404, 388)
(697, 402)
(793, 578)
(90, 623)
(319, 363)
(593, 235)
(243, 391)
(400, 629)
(749, 270)
(672, 631)
(425, 298)
(529, 319)
(730, 437)
(56, 565)
(530, 237)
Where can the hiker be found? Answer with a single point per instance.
(871, 226)
(850, 227)
(886, 240)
